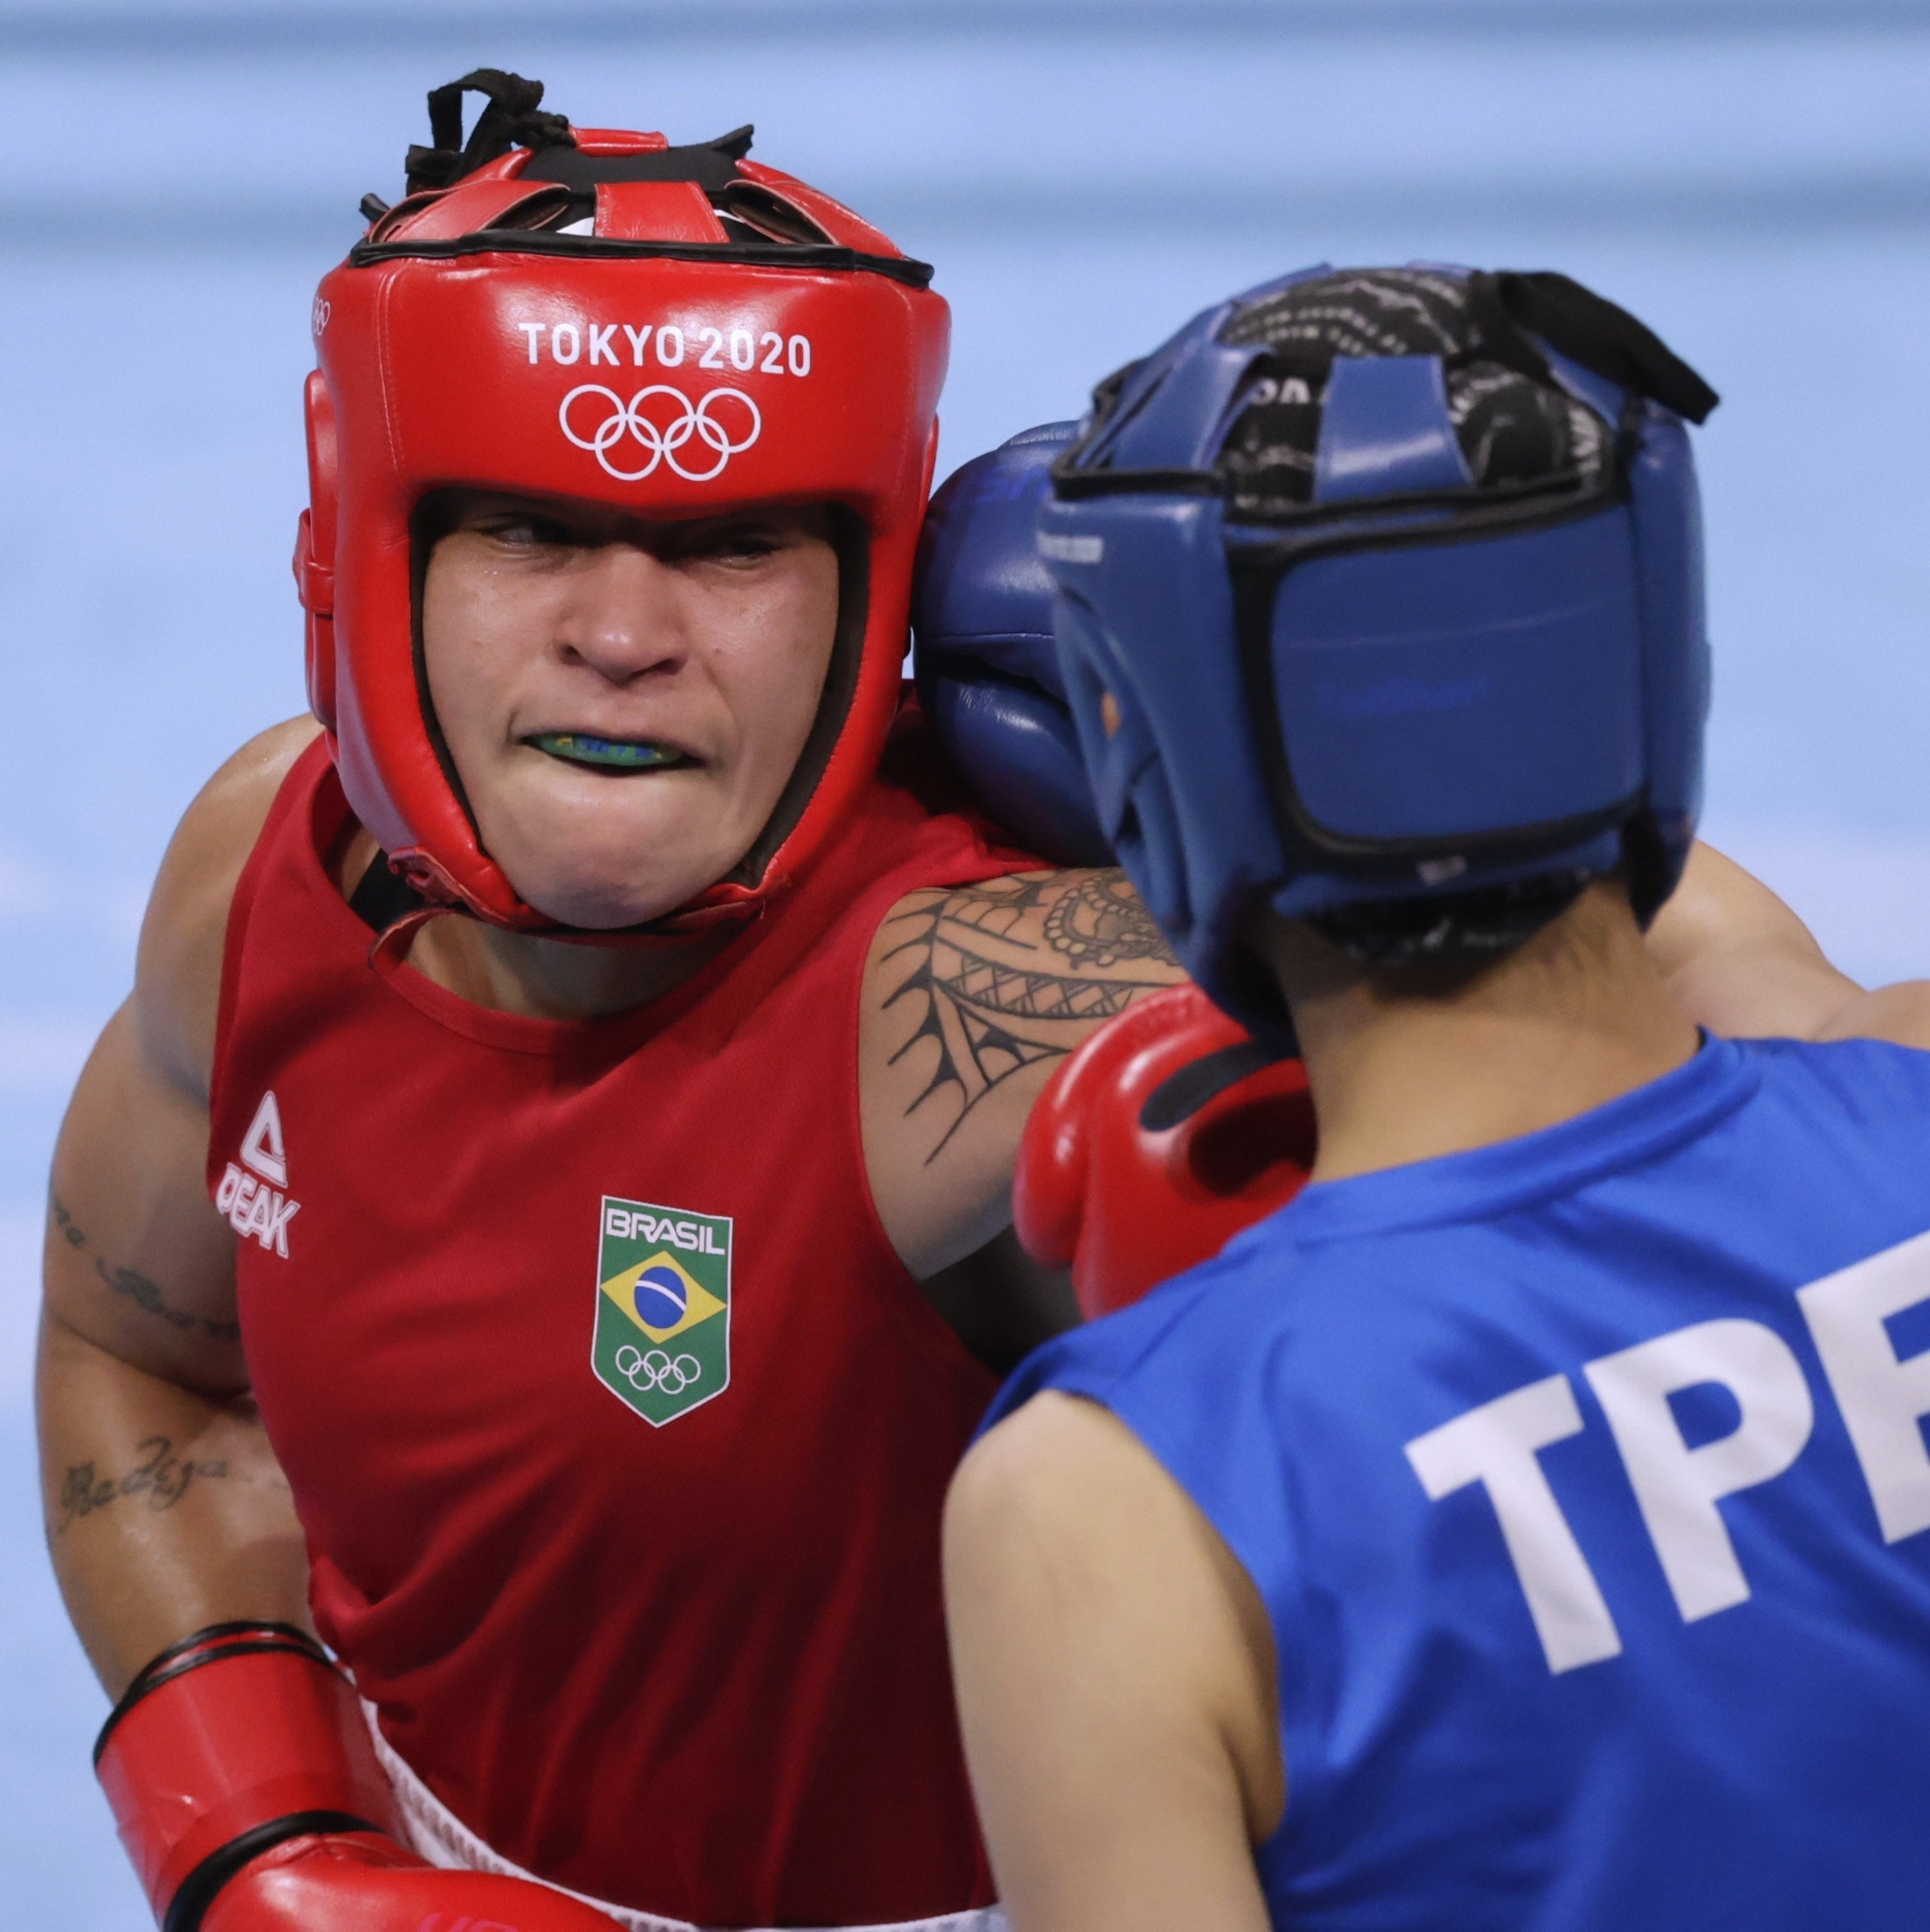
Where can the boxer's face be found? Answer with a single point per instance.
(624, 700)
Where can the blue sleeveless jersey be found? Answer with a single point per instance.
(1583, 1481)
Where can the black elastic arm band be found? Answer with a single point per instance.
(211, 1646)
(190, 1905)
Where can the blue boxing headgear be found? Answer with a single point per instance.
(1380, 603)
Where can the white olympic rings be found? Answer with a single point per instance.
(658, 1371)
(660, 441)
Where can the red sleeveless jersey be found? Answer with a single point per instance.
(618, 1432)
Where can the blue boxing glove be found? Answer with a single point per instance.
(986, 668)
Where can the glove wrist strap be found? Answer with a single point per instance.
(205, 1769)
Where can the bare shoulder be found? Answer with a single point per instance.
(978, 982)
(1063, 1497)
(1073, 1559)
(1067, 1474)
(137, 1263)
(1741, 962)
(177, 975)
(1055, 1474)
(973, 994)
(1899, 1013)
(1087, 920)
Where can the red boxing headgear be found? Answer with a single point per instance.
(597, 314)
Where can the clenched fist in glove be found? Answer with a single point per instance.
(1165, 1134)
(247, 1793)
(988, 670)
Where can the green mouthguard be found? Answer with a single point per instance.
(611, 753)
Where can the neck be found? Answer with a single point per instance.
(540, 977)
(1411, 1063)
(529, 975)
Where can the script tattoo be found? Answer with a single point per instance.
(1013, 971)
(161, 1481)
(136, 1287)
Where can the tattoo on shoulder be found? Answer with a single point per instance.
(136, 1287)
(1012, 970)
(1101, 921)
(160, 1482)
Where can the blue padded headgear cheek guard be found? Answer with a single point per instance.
(1145, 608)
(1666, 507)
(1668, 531)
(1412, 694)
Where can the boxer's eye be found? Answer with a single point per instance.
(521, 532)
(729, 542)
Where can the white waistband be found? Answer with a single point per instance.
(439, 1835)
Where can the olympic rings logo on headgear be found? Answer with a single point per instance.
(657, 1370)
(660, 441)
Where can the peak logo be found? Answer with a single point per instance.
(254, 1203)
(261, 1146)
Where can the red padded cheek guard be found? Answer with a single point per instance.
(427, 381)
(315, 552)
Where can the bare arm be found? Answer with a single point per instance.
(1115, 1676)
(1743, 963)
(165, 1509)
(972, 999)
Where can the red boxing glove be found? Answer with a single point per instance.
(1165, 1134)
(248, 1795)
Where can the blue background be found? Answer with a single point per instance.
(1753, 179)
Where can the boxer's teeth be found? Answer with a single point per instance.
(609, 754)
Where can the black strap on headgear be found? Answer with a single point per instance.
(511, 120)
(1579, 323)
(711, 164)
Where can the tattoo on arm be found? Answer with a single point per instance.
(161, 1482)
(1015, 971)
(1101, 921)
(143, 1293)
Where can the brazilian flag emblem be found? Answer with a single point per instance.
(662, 1340)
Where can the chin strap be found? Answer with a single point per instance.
(390, 947)
(395, 908)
